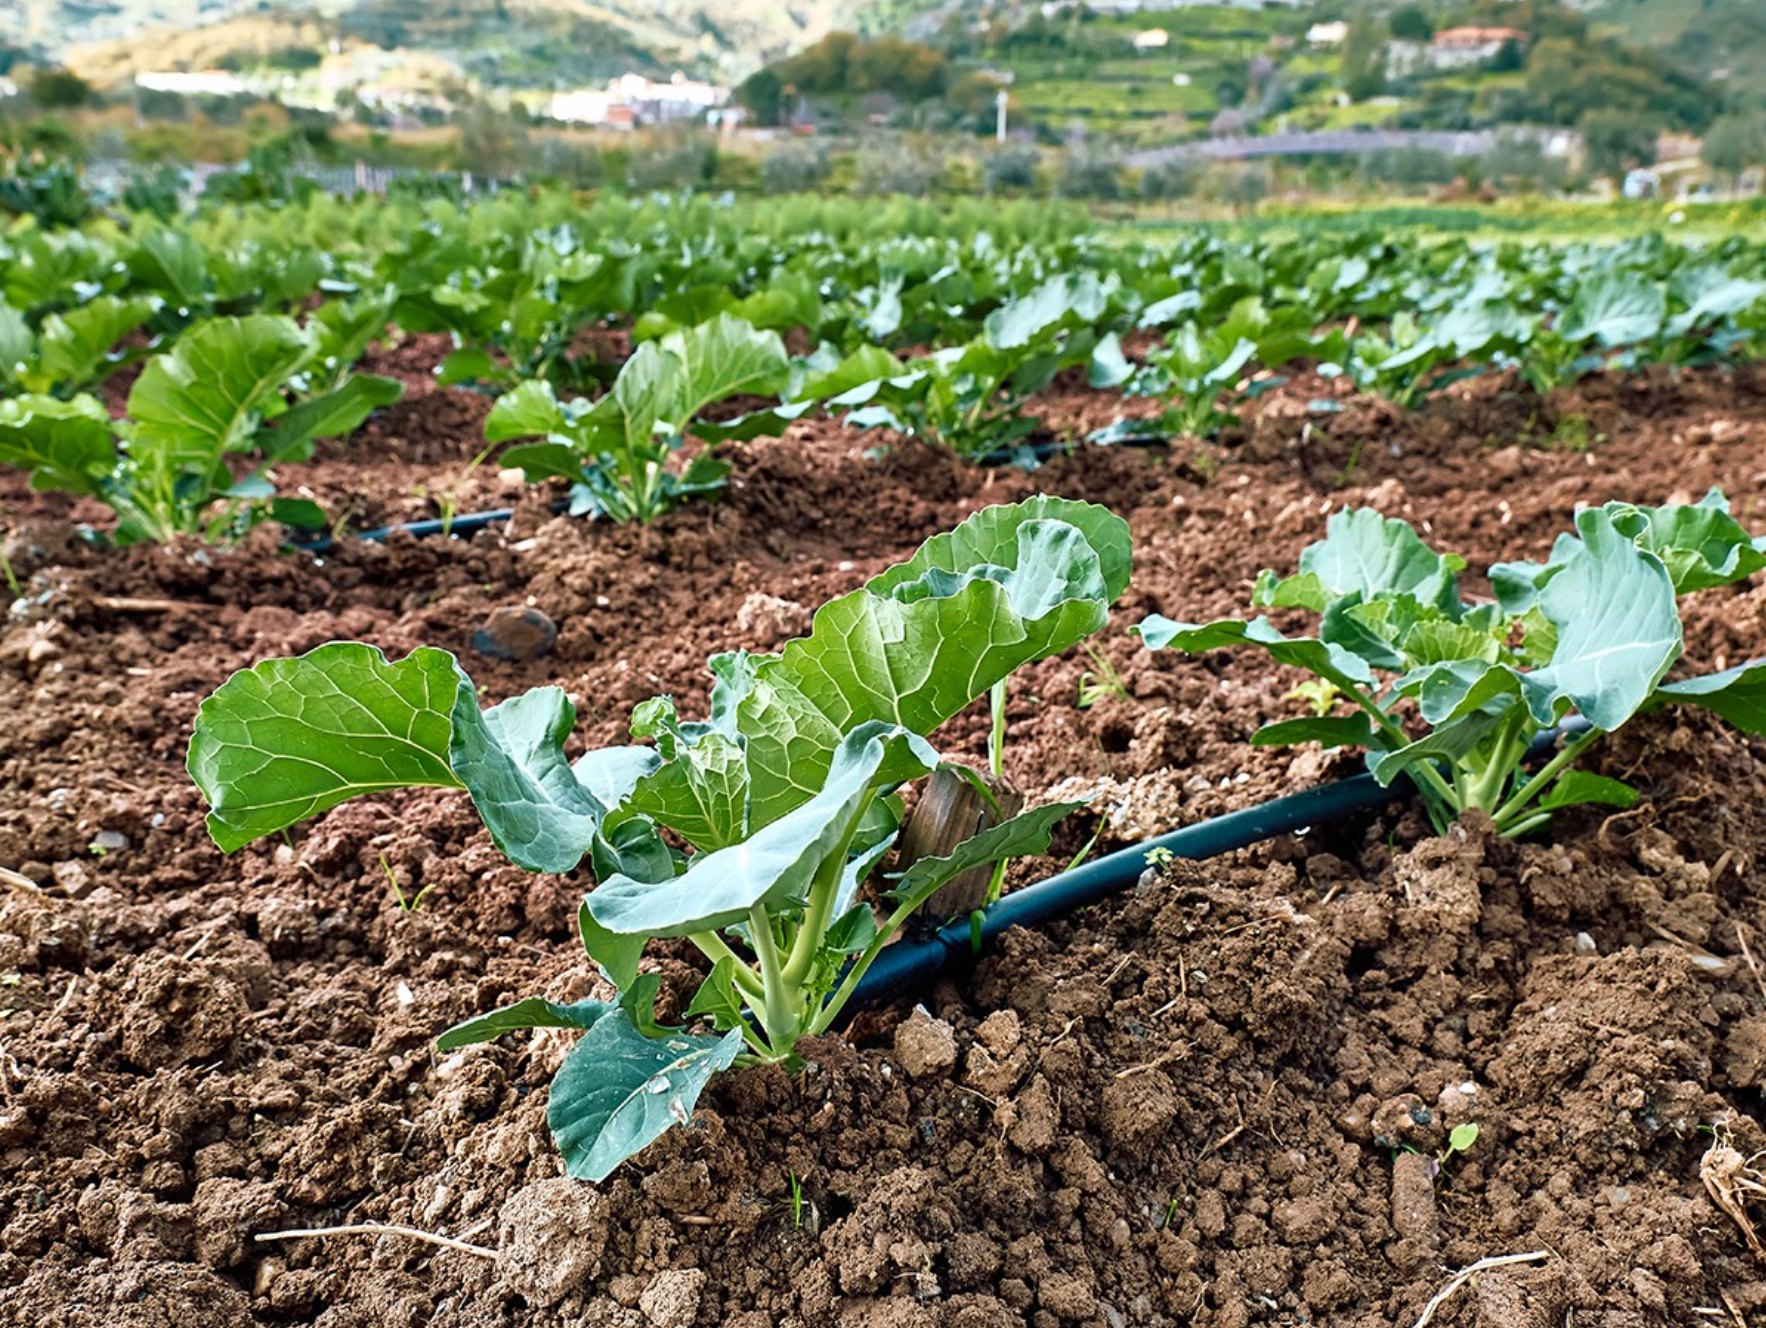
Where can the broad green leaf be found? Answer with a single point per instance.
(1738, 694)
(1449, 743)
(467, 365)
(1327, 730)
(511, 758)
(716, 998)
(1109, 366)
(1614, 307)
(529, 410)
(611, 773)
(1079, 295)
(1575, 787)
(1370, 555)
(208, 394)
(331, 415)
(701, 794)
(73, 348)
(67, 446)
(853, 931)
(990, 537)
(1618, 628)
(173, 263)
(290, 738)
(775, 863)
(618, 1090)
(530, 1013)
(18, 345)
(915, 655)
(721, 359)
(1347, 671)
(1701, 544)
(615, 953)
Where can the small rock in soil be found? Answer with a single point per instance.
(73, 879)
(110, 841)
(519, 634)
(550, 1237)
(765, 620)
(926, 1047)
(1413, 1200)
(672, 1298)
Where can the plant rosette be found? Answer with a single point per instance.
(786, 797)
(1591, 633)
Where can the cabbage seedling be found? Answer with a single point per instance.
(785, 796)
(224, 389)
(1591, 632)
(616, 450)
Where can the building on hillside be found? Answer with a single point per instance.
(1677, 147)
(1151, 39)
(192, 83)
(1457, 48)
(1321, 36)
(632, 100)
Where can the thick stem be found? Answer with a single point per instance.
(1526, 823)
(1487, 790)
(1505, 815)
(781, 1025)
(817, 914)
(843, 993)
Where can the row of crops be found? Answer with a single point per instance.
(251, 322)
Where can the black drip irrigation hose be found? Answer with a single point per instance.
(912, 964)
(470, 524)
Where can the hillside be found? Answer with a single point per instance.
(1723, 40)
(509, 42)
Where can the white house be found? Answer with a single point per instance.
(1321, 35)
(198, 83)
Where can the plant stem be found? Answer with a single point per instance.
(1505, 814)
(903, 911)
(817, 914)
(712, 946)
(781, 1027)
(996, 737)
(1427, 777)
(1505, 753)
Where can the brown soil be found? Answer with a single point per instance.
(1211, 1102)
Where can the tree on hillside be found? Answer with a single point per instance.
(1617, 142)
(1567, 80)
(1364, 58)
(1410, 23)
(1734, 143)
(59, 89)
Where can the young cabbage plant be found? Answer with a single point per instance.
(521, 321)
(785, 798)
(72, 350)
(970, 398)
(615, 451)
(1588, 635)
(1199, 368)
(225, 389)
